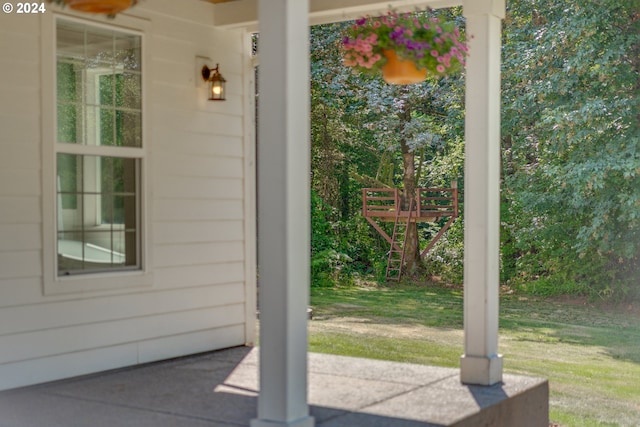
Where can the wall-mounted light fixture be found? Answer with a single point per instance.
(213, 76)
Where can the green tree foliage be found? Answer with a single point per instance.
(366, 133)
(570, 138)
(342, 247)
(572, 145)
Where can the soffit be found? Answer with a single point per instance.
(244, 13)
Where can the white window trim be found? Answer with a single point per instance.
(107, 282)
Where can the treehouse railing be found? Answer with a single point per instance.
(431, 204)
(438, 201)
(380, 202)
(434, 202)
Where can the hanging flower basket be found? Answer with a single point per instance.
(397, 71)
(434, 47)
(107, 7)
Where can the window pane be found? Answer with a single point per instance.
(129, 128)
(130, 241)
(99, 88)
(71, 40)
(99, 47)
(68, 85)
(106, 131)
(67, 122)
(105, 92)
(97, 213)
(128, 52)
(67, 82)
(69, 176)
(127, 168)
(128, 90)
(70, 252)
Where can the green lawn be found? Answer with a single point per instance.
(591, 356)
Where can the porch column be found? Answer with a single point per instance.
(284, 212)
(481, 364)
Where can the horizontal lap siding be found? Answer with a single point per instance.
(199, 232)
(20, 209)
(198, 165)
(180, 187)
(20, 178)
(195, 205)
(47, 316)
(26, 346)
(88, 361)
(197, 168)
(197, 210)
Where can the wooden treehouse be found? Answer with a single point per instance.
(429, 205)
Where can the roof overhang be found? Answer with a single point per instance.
(244, 13)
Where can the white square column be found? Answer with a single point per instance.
(284, 212)
(481, 364)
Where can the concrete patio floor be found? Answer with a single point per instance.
(219, 389)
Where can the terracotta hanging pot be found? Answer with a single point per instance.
(108, 7)
(401, 72)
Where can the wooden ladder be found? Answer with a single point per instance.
(395, 260)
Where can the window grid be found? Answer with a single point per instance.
(99, 92)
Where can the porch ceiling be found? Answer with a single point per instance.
(244, 13)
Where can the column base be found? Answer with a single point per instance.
(480, 370)
(308, 421)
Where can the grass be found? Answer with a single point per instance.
(590, 355)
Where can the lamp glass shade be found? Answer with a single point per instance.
(217, 82)
(217, 90)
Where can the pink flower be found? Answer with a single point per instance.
(363, 50)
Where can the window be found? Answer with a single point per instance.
(98, 149)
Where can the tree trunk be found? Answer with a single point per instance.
(412, 245)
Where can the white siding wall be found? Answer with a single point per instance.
(196, 182)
